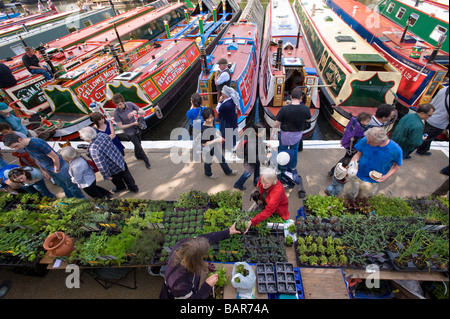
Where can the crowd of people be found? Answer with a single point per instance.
(372, 156)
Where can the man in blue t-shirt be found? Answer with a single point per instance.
(378, 159)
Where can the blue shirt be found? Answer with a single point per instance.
(106, 156)
(39, 150)
(195, 114)
(15, 122)
(4, 177)
(377, 158)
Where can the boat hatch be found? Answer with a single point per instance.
(127, 76)
(292, 62)
(368, 62)
(344, 38)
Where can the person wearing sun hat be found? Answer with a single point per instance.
(7, 116)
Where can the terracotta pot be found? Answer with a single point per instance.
(59, 245)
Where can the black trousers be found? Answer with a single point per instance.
(124, 179)
(138, 150)
(432, 132)
(96, 191)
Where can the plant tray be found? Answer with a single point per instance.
(411, 266)
(299, 283)
(265, 278)
(285, 277)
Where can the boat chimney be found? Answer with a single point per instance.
(437, 48)
(166, 26)
(47, 59)
(279, 53)
(214, 14)
(116, 57)
(406, 29)
(234, 38)
(204, 61)
(200, 25)
(299, 33)
(186, 15)
(23, 41)
(118, 37)
(313, 10)
(417, 3)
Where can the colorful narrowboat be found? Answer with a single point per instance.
(428, 20)
(416, 61)
(285, 64)
(240, 45)
(354, 76)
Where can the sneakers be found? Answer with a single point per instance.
(301, 193)
(147, 165)
(233, 172)
(242, 188)
(212, 176)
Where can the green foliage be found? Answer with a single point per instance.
(390, 206)
(325, 206)
(192, 199)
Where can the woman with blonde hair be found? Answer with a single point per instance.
(186, 264)
(82, 173)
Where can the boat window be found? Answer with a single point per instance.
(438, 32)
(413, 19)
(71, 29)
(87, 23)
(18, 49)
(400, 13)
(390, 7)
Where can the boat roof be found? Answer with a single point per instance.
(238, 58)
(339, 36)
(158, 57)
(428, 8)
(284, 22)
(387, 31)
(122, 29)
(89, 66)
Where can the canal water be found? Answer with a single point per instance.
(177, 118)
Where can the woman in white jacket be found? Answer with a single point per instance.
(82, 174)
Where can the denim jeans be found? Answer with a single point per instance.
(47, 74)
(293, 153)
(226, 169)
(246, 175)
(335, 188)
(64, 180)
(42, 189)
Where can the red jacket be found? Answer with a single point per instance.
(276, 202)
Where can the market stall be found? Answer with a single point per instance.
(312, 256)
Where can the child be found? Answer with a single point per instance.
(340, 178)
(209, 138)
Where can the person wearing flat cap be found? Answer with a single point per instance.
(223, 75)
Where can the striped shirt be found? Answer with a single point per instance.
(40, 150)
(106, 156)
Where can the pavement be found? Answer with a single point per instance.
(165, 180)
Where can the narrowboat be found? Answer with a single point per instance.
(240, 45)
(427, 20)
(286, 63)
(22, 37)
(416, 61)
(354, 77)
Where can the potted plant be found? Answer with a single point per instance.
(289, 241)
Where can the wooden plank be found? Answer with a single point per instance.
(322, 283)
(398, 275)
